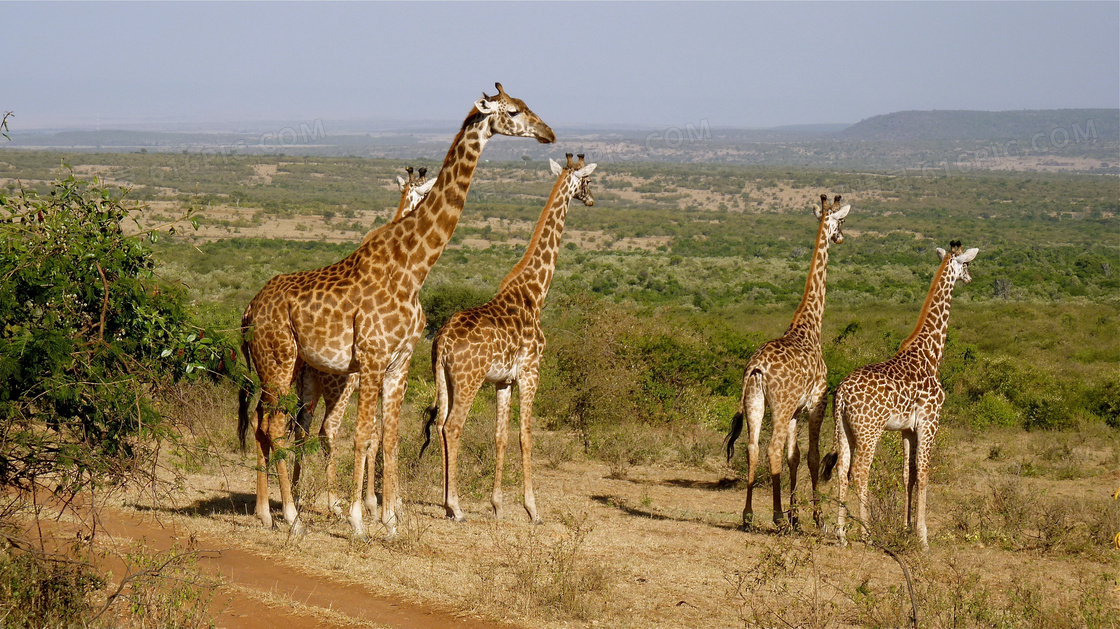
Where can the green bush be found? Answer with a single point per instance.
(88, 339)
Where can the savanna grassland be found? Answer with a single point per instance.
(662, 291)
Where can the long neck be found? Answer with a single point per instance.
(533, 274)
(809, 313)
(928, 337)
(417, 240)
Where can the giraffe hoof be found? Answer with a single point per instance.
(456, 518)
(538, 522)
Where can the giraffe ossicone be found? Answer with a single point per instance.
(903, 394)
(362, 315)
(501, 342)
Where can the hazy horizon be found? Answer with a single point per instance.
(633, 64)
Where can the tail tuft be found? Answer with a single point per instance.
(432, 411)
(244, 396)
(829, 462)
(733, 434)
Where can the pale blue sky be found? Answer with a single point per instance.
(730, 64)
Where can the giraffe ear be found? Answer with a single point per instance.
(585, 171)
(486, 106)
(842, 212)
(426, 187)
(555, 166)
(968, 256)
(401, 182)
(818, 212)
(940, 253)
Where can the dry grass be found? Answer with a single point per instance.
(647, 538)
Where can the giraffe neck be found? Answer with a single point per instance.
(811, 310)
(533, 274)
(416, 241)
(928, 338)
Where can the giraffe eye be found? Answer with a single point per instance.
(514, 114)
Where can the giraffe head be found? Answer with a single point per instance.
(579, 178)
(957, 268)
(511, 116)
(832, 215)
(414, 189)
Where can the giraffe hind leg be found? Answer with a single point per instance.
(753, 407)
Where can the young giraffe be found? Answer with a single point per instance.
(902, 394)
(337, 389)
(788, 375)
(501, 342)
(362, 314)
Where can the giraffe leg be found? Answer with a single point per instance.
(264, 447)
(463, 394)
(336, 390)
(922, 455)
(309, 391)
(527, 391)
(844, 449)
(753, 408)
(816, 418)
(278, 431)
(395, 383)
(504, 398)
(368, 395)
(909, 471)
(370, 462)
(781, 415)
(793, 460)
(861, 474)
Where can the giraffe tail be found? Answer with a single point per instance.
(828, 463)
(433, 413)
(733, 435)
(245, 391)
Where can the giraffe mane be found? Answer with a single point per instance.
(924, 316)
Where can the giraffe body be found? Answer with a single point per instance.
(902, 394)
(501, 342)
(788, 375)
(361, 315)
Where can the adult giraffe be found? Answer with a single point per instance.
(904, 394)
(337, 389)
(362, 314)
(501, 342)
(788, 374)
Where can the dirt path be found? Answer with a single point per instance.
(259, 593)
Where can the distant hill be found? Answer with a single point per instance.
(984, 126)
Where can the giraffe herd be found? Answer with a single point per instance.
(353, 325)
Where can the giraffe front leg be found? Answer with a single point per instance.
(922, 456)
(364, 426)
(527, 391)
(816, 418)
(504, 399)
(395, 383)
(451, 432)
(278, 430)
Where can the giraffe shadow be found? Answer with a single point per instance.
(234, 503)
(619, 503)
(723, 484)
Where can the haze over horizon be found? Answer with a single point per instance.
(748, 65)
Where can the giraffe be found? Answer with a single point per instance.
(337, 389)
(788, 375)
(902, 394)
(362, 315)
(501, 342)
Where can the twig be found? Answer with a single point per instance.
(909, 585)
(104, 302)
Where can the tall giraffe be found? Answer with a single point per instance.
(902, 394)
(362, 314)
(788, 374)
(337, 389)
(501, 342)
